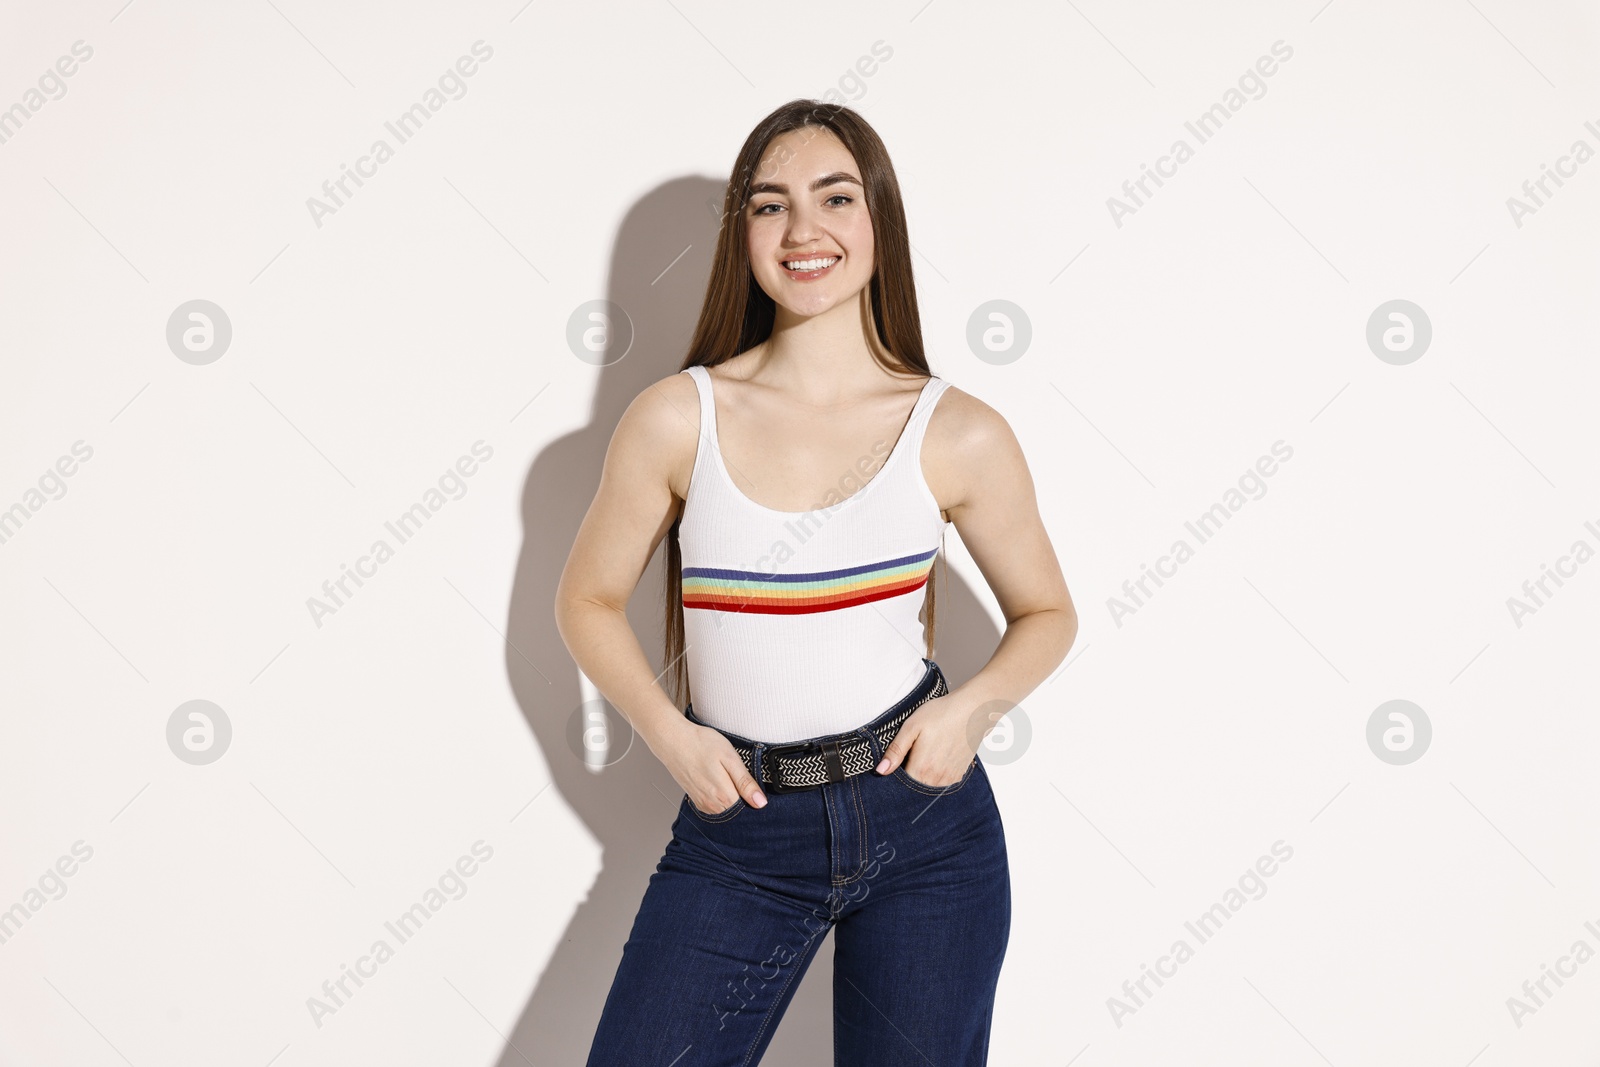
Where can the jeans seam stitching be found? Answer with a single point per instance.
(767, 1018)
(833, 833)
(861, 820)
(935, 791)
(717, 816)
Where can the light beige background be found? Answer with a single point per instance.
(433, 709)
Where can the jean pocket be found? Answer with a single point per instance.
(934, 790)
(721, 816)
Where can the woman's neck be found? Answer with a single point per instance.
(822, 359)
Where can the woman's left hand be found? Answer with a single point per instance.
(936, 734)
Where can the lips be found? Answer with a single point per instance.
(813, 272)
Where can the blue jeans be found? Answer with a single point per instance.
(912, 879)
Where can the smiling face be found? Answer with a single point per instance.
(808, 210)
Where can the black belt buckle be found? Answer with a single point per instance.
(831, 758)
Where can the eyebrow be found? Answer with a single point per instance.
(836, 178)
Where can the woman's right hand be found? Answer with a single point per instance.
(704, 764)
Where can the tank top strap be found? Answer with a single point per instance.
(708, 411)
(922, 413)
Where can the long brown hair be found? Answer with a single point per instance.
(737, 314)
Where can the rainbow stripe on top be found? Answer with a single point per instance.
(722, 589)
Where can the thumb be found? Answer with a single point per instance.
(896, 750)
(747, 786)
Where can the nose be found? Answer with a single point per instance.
(803, 225)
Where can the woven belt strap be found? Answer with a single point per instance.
(799, 769)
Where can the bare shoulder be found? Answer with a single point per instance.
(660, 431)
(967, 443)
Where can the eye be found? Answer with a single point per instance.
(762, 210)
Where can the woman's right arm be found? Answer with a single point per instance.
(653, 445)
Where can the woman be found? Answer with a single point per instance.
(802, 468)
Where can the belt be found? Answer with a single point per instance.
(788, 768)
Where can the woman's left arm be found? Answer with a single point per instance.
(978, 464)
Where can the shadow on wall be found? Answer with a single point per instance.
(629, 806)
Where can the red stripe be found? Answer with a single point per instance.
(773, 606)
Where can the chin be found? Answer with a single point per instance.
(810, 305)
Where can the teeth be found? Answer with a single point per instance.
(811, 264)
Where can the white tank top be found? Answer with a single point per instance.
(802, 624)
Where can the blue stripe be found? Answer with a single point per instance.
(724, 572)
